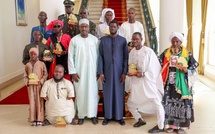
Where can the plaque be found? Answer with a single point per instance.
(60, 122)
(72, 20)
(58, 49)
(33, 79)
(132, 69)
(47, 55)
(107, 32)
(182, 63)
(44, 40)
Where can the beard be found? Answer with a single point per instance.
(57, 80)
(113, 33)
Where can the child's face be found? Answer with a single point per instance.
(33, 56)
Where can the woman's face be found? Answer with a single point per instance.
(176, 43)
(108, 16)
(57, 27)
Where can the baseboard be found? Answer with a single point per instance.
(11, 81)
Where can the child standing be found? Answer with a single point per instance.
(34, 76)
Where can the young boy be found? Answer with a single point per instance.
(34, 76)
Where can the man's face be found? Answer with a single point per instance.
(131, 14)
(113, 28)
(42, 17)
(57, 27)
(84, 29)
(37, 36)
(33, 56)
(68, 9)
(136, 40)
(58, 72)
(176, 43)
(84, 13)
(108, 16)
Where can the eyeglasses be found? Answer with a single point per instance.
(57, 26)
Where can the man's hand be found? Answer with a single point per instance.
(46, 98)
(122, 79)
(139, 74)
(69, 98)
(129, 74)
(75, 77)
(102, 77)
(97, 76)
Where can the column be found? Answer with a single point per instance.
(172, 19)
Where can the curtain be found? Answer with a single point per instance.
(189, 7)
(204, 4)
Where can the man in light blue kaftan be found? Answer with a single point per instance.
(82, 65)
(112, 67)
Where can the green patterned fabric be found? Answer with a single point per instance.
(151, 29)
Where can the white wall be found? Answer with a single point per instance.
(13, 38)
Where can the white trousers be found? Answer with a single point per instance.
(67, 118)
(157, 109)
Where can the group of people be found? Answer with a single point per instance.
(80, 55)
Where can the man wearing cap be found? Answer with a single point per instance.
(69, 19)
(84, 14)
(82, 65)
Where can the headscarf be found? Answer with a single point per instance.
(104, 11)
(85, 21)
(35, 50)
(52, 23)
(180, 36)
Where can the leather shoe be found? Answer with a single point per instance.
(105, 121)
(94, 120)
(80, 121)
(140, 122)
(122, 122)
(155, 130)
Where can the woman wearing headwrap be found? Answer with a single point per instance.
(106, 17)
(58, 43)
(34, 76)
(178, 65)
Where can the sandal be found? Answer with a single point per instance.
(181, 131)
(34, 123)
(169, 130)
(39, 123)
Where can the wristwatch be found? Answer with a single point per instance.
(143, 74)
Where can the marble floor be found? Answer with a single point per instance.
(13, 119)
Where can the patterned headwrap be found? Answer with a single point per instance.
(34, 49)
(52, 23)
(180, 36)
(104, 11)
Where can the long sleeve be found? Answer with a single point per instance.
(125, 58)
(44, 89)
(25, 57)
(101, 58)
(25, 76)
(71, 58)
(45, 74)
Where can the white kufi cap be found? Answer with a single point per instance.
(85, 21)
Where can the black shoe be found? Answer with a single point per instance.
(94, 120)
(140, 122)
(122, 122)
(105, 121)
(80, 121)
(46, 122)
(155, 130)
(74, 122)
